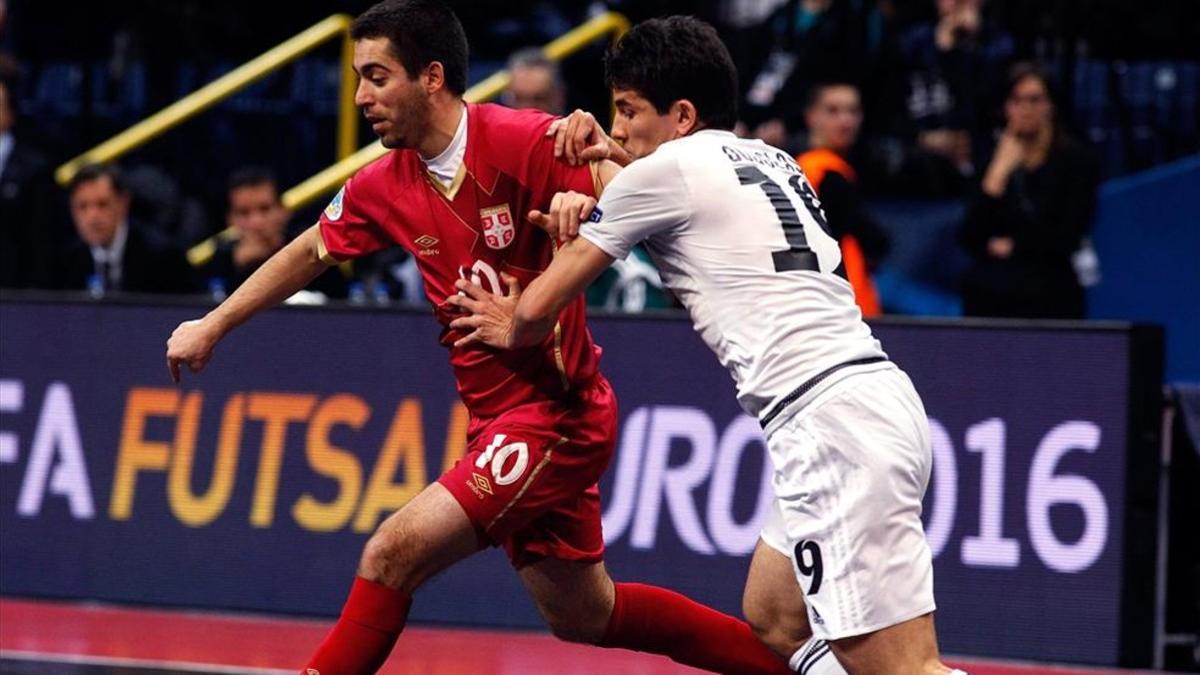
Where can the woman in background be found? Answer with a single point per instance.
(1033, 210)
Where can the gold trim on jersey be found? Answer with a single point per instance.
(495, 182)
(451, 191)
(474, 232)
(528, 481)
(597, 185)
(323, 253)
(558, 356)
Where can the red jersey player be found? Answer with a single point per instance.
(454, 193)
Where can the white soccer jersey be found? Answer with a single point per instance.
(737, 234)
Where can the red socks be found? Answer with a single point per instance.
(655, 620)
(363, 637)
(644, 618)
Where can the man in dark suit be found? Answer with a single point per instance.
(30, 231)
(112, 254)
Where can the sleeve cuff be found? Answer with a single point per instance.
(323, 252)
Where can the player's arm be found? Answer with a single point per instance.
(573, 269)
(521, 319)
(288, 271)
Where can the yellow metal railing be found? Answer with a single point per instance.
(330, 179)
(228, 85)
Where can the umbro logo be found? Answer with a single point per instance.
(480, 485)
(427, 244)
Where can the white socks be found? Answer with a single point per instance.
(814, 658)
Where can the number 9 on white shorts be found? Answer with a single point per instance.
(851, 467)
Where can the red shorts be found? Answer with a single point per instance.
(529, 478)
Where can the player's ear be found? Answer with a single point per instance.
(686, 117)
(433, 77)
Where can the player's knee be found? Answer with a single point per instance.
(770, 634)
(389, 560)
(782, 634)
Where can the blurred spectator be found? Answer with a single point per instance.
(387, 276)
(111, 253)
(953, 67)
(1032, 213)
(158, 201)
(30, 231)
(813, 41)
(745, 28)
(5, 34)
(536, 83)
(834, 116)
(256, 227)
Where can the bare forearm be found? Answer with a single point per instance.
(577, 264)
(284, 273)
(532, 330)
(536, 313)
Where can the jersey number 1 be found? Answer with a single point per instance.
(798, 256)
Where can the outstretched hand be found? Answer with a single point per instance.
(490, 316)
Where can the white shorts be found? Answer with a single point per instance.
(851, 467)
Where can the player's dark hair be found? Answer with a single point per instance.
(94, 172)
(679, 57)
(252, 176)
(1022, 70)
(420, 32)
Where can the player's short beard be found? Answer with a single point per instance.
(409, 124)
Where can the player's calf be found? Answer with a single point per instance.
(575, 599)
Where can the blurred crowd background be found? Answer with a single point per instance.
(957, 145)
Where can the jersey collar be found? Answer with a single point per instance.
(451, 162)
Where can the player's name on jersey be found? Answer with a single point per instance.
(769, 157)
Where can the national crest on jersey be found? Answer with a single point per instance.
(498, 228)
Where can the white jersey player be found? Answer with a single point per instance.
(738, 235)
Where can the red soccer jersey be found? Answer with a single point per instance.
(476, 229)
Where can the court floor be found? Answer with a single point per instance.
(39, 637)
